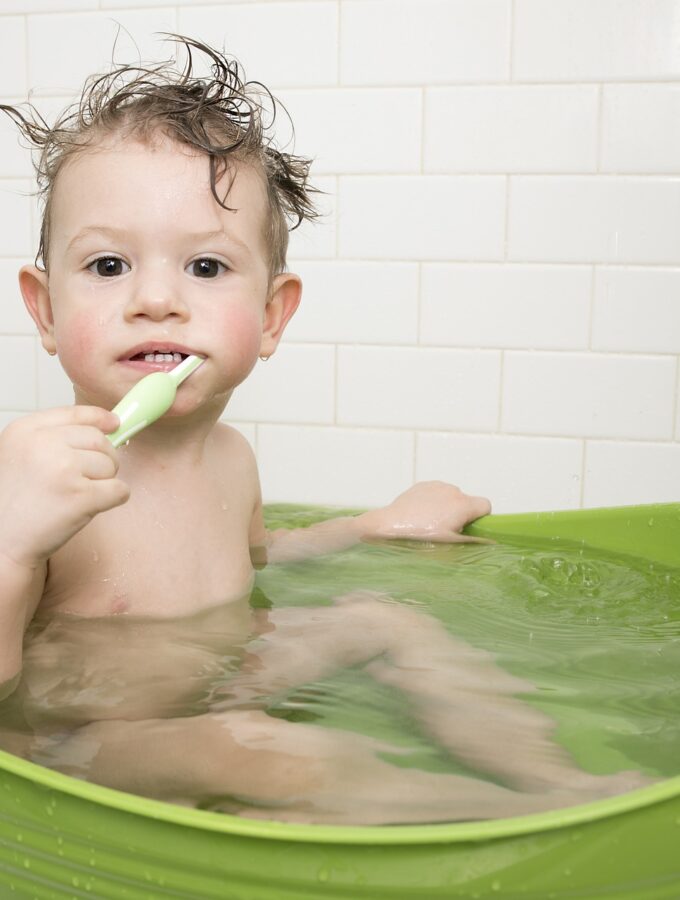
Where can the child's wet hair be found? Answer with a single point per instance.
(223, 116)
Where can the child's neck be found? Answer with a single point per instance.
(167, 443)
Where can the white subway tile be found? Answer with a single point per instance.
(637, 310)
(280, 44)
(424, 41)
(14, 318)
(356, 129)
(54, 385)
(550, 128)
(13, 57)
(317, 239)
(517, 474)
(357, 302)
(15, 159)
(17, 373)
(531, 307)
(641, 128)
(45, 6)
(620, 474)
(422, 217)
(418, 387)
(588, 395)
(342, 466)
(594, 219)
(579, 40)
(295, 385)
(15, 217)
(130, 4)
(65, 49)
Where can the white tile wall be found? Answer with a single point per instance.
(13, 56)
(513, 472)
(15, 216)
(606, 40)
(589, 395)
(357, 303)
(63, 49)
(337, 466)
(637, 310)
(594, 219)
(295, 385)
(280, 44)
(424, 41)
(540, 307)
(492, 294)
(641, 128)
(535, 128)
(640, 472)
(421, 217)
(453, 389)
(352, 129)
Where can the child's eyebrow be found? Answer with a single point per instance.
(119, 234)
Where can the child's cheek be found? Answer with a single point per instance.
(77, 343)
(242, 339)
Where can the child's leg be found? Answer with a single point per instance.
(460, 696)
(250, 764)
(469, 706)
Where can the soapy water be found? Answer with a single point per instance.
(597, 634)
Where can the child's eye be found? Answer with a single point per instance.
(207, 267)
(108, 266)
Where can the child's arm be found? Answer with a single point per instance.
(57, 471)
(428, 511)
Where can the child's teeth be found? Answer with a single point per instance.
(163, 357)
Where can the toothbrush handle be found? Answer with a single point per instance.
(142, 405)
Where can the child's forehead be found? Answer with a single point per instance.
(161, 177)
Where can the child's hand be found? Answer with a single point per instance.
(429, 511)
(57, 471)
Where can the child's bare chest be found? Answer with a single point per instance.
(165, 553)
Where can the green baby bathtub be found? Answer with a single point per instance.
(63, 838)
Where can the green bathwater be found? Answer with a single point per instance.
(598, 634)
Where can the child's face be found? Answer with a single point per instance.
(143, 260)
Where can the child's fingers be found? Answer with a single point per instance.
(102, 419)
(96, 465)
(87, 437)
(106, 493)
(479, 506)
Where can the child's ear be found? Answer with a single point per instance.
(35, 291)
(284, 299)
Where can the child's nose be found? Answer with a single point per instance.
(156, 298)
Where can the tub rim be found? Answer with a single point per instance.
(457, 832)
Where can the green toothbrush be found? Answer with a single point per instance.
(149, 399)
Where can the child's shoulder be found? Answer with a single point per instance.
(232, 446)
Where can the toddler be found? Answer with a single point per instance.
(166, 214)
